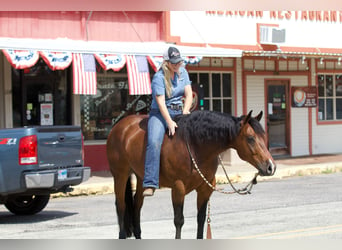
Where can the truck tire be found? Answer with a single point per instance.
(27, 204)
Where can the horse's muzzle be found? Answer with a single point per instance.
(268, 168)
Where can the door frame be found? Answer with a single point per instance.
(287, 83)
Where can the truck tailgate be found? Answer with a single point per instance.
(59, 146)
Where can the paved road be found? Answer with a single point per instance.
(293, 208)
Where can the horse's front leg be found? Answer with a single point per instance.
(203, 195)
(178, 194)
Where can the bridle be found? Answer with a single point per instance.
(243, 191)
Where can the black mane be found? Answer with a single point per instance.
(210, 126)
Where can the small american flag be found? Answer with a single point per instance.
(84, 68)
(138, 75)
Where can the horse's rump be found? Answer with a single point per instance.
(126, 144)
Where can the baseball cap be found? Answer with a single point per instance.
(172, 54)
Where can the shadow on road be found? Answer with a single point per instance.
(9, 218)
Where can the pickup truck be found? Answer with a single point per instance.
(38, 161)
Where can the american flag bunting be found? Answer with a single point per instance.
(138, 75)
(84, 68)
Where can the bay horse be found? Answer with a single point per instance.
(202, 134)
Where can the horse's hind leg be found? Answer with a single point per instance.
(121, 189)
(120, 206)
(178, 195)
(138, 202)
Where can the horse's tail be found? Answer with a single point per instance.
(129, 207)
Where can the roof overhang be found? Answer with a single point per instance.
(284, 54)
(128, 48)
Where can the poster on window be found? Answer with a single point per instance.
(46, 114)
(304, 97)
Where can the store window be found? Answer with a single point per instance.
(330, 97)
(217, 90)
(111, 103)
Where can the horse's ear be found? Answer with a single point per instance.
(258, 117)
(248, 117)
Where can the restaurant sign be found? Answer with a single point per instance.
(304, 97)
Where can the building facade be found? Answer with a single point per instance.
(284, 63)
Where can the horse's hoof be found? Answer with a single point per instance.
(148, 192)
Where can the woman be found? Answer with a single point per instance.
(169, 85)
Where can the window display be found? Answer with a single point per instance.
(111, 103)
(330, 97)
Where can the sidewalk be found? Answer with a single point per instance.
(102, 182)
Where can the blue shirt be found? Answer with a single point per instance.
(178, 84)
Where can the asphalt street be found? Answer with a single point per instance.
(303, 207)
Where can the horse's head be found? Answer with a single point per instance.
(251, 145)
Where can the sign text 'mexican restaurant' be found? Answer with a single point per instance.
(318, 16)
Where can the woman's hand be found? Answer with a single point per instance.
(172, 125)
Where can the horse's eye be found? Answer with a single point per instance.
(251, 140)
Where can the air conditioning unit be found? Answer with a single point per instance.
(271, 35)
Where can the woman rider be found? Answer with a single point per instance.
(169, 85)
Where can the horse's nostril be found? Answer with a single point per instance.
(270, 168)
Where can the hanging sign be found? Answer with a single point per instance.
(56, 60)
(21, 59)
(304, 97)
(114, 62)
(46, 114)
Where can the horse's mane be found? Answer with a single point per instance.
(210, 126)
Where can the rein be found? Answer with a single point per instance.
(246, 190)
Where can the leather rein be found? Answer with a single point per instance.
(243, 191)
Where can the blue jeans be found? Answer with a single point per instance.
(156, 130)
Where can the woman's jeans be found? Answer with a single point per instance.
(156, 130)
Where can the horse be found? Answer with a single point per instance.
(201, 134)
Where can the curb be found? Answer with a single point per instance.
(283, 171)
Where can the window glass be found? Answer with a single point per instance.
(193, 77)
(217, 93)
(329, 110)
(111, 103)
(321, 85)
(217, 105)
(206, 104)
(329, 85)
(41, 96)
(204, 80)
(227, 88)
(216, 85)
(338, 108)
(338, 85)
(321, 109)
(329, 97)
(227, 106)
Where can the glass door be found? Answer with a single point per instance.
(40, 96)
(277, 117)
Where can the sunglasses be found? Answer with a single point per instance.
(179, 63)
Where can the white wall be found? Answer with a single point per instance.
(299, 134)
(326, 139)
(201, 27)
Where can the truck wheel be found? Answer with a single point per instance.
(27, 204)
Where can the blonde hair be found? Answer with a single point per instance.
(167, 77)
